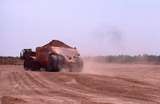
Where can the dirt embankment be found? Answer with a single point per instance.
(115, 84)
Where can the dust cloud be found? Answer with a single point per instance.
(96, 68)
(111, 35)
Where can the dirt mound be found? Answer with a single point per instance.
(57, 43)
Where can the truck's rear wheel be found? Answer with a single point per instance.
(55, 63)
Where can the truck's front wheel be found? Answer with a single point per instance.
(32, 65)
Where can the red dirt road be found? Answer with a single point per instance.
(113, 84)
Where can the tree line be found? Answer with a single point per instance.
(141, 59)
(153, 59)
(9, 60)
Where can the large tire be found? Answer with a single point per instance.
(26, 65)
(32, 65)
(35, 65)
(55, 63)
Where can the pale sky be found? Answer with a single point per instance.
(95, 27)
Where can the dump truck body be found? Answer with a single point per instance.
(55, 56)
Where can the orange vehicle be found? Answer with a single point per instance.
(52, 57)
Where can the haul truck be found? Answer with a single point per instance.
(52, 57)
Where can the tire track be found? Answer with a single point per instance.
(49, 88)
(30, 86)
(73, 88)
(67, 90)
(59, 90)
